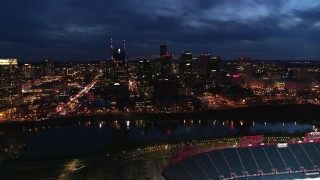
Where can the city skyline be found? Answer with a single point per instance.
(79, 30)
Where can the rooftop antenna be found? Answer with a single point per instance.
(124, 44)
(111, 49)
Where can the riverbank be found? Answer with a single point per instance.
(259, 113)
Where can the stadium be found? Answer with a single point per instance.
(251, 159)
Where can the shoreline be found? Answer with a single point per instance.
(291, 112)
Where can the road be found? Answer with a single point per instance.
(71, 105)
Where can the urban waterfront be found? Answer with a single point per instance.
(138, 146)
(94, 137)
(108, 135)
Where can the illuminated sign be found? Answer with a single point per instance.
(236, 76)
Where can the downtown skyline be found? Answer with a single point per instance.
(80, 30)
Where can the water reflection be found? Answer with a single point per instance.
(100, 125)
(94, 136)
(285, 128)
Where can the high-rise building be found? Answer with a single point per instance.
(163, 50)
(245, 69)
(214, 66)
(27, 71)
(166, 65)
(49, 67)
(185, 66)
(119, 64)
(202, 65)
(9, 73)
(117, 78)
(144, 75)
(144, 69)
(119, 55)
(10, 88)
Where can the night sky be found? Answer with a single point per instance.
(63, 30)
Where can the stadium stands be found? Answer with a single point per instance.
(287, 161)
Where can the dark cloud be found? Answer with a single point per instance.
(81, 29)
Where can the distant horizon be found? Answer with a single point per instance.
(176, 56)
(175, 59)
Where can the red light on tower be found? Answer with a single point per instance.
(168, 54)
(168, 132)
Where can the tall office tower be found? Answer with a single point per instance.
(120, 64)
(119, 55)
(202, 64)
(144, 69)
(166, 65)
(9, 73)
(163, 50)
(245, 68)
(144, 75)
(27, 71)
(10, 88)
(214, 66)
(185, 66)
(49, 67)
(117, 72)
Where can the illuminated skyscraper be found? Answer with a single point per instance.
(144, 75)
(166, 65)
(119, 55)
(9, 73)
(214, 66)
(27, 71)
(119, 64)
(49, 67)
(144, 69)
(185, 67)
(245, 69)
(10, 88)
(185, 63)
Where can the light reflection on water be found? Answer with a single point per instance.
(289, 128)
(94, 136)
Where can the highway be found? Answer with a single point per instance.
(71, 105)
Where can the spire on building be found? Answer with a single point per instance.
(111, 49)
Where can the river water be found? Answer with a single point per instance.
(89, 137)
